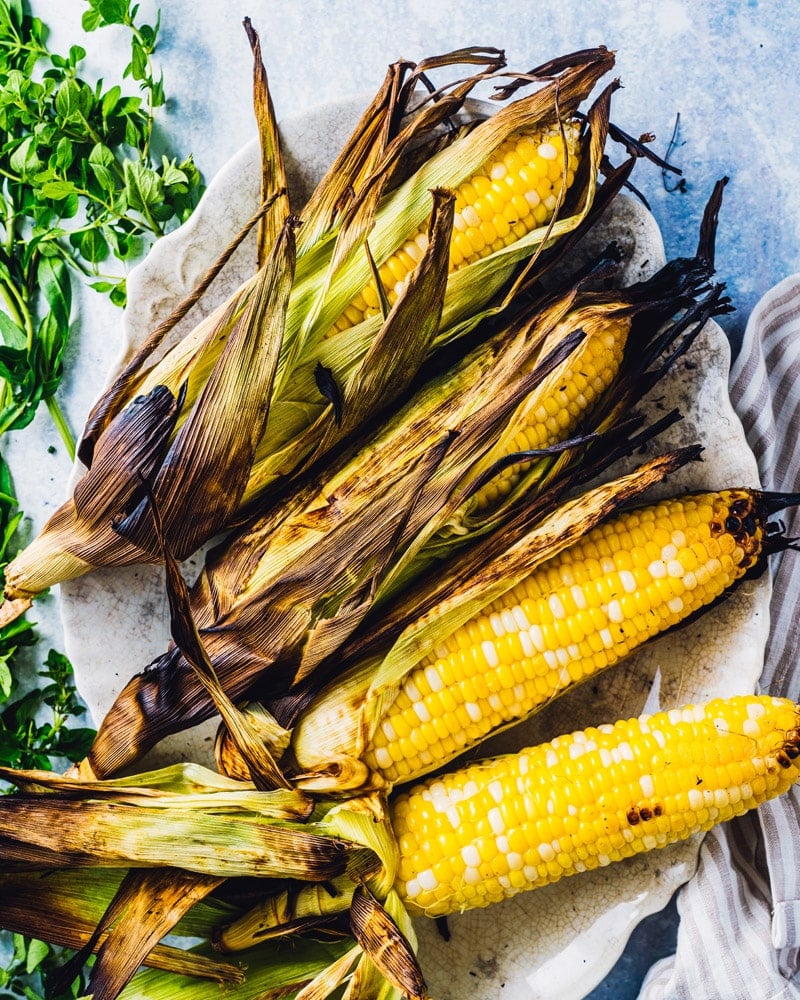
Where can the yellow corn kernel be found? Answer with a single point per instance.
(565, 631)
(558, 404)
(499, 827)
(516, 190)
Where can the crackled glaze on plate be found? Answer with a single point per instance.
(557, 942)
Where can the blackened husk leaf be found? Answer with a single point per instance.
(386, 946)
(81, 533)
(133, 445)
(146, 907)
(203, 476)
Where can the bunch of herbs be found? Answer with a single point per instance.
(80, 189)
(82, 195)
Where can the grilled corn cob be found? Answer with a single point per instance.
(517, 190)
(296, 415)
(580, 612)
(582, 801)
(497, 827)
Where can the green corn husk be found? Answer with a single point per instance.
(122, 916)
(64, 909)
(213, 440)
(270, 974)
(145, 825)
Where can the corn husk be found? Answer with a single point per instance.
(64, 909)
(56, 824)
(106, 520)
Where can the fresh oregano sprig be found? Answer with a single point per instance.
(79, 188)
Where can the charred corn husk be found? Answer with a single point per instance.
(288, 418)
(582, 801)
(145, 846)
(580, 612)
(58, 907)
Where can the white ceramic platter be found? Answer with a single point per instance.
(557, 942)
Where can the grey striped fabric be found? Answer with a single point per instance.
(739, 935)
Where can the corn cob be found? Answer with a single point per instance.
(580, 612)
(494, 828)
(518, 189)
(582, 801)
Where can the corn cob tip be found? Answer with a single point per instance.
(773, 503)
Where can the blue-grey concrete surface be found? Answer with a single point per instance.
(653, 939)
(730, 70)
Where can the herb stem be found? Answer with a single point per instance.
(17, 306)
(60, 421)
(11, 302)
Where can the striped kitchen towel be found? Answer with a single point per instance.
(739, 933)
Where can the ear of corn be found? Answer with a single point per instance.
(582, 801)
(518, 189)
(494, 828)
(206, 447)
(581, 611)
(556, 407)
